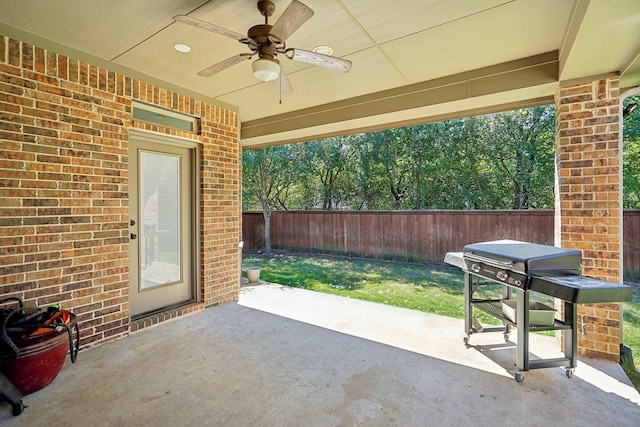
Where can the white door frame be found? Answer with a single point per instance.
(194, 147)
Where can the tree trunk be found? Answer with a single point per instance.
(515, 202)
(266, 214)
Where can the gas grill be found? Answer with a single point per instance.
(522, 268)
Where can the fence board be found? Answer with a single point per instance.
(253, 230)
(423, 236)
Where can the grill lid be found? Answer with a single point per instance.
(528, 258)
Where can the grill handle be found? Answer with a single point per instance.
(473, 257)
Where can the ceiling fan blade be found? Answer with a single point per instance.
(209, 27)
(284, 85)
(223, 65)
(326, 61)
(291, 19)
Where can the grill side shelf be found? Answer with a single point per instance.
(494, 308)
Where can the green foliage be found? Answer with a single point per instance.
(268, 176)
(522, 145)
(631, 156)
(328, 168)
(498, 161)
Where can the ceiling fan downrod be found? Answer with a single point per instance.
(266, 9)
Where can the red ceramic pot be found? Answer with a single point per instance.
(40, 360)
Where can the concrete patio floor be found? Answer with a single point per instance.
(291, 357)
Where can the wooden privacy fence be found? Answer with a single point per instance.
(419, 236)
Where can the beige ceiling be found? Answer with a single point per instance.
(413, 60)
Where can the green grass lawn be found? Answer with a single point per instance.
(631, 336)
(428, 288)
(434, 290)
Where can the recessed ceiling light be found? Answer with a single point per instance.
(181, 47)
(323, 50)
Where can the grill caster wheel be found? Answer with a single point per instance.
(506, 337)
(17, 408)
(466, 340)
(519, 376)
(569, 372)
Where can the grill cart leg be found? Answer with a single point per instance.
(522, 315)
(11, 394)
(506, 294)
(468, 309)
(571, 337)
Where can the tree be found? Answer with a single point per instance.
(328, 163)
(497, 161)
(522, 143)
(370, 177)
(418, 141)
(631, 154)
(268, 177)
(462, 166)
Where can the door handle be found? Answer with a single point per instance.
(133, 236)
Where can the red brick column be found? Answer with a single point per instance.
(588, 200)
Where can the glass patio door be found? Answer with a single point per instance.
(160, 268)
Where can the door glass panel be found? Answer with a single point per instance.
(160, 260)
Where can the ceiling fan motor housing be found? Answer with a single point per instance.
(260, 33)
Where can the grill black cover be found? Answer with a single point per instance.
(528, 258)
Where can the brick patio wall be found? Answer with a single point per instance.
(589, 214)
(64, 187)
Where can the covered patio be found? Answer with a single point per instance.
(286, 356)
(84, 89)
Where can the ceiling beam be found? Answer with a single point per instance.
(370, 110)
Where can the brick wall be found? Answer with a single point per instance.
(63, 186)
(588, 162)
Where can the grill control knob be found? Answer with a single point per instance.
(476, 268)
(502, 275)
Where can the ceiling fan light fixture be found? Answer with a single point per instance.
(265, 69)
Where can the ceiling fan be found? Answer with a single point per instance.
(267, 41)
